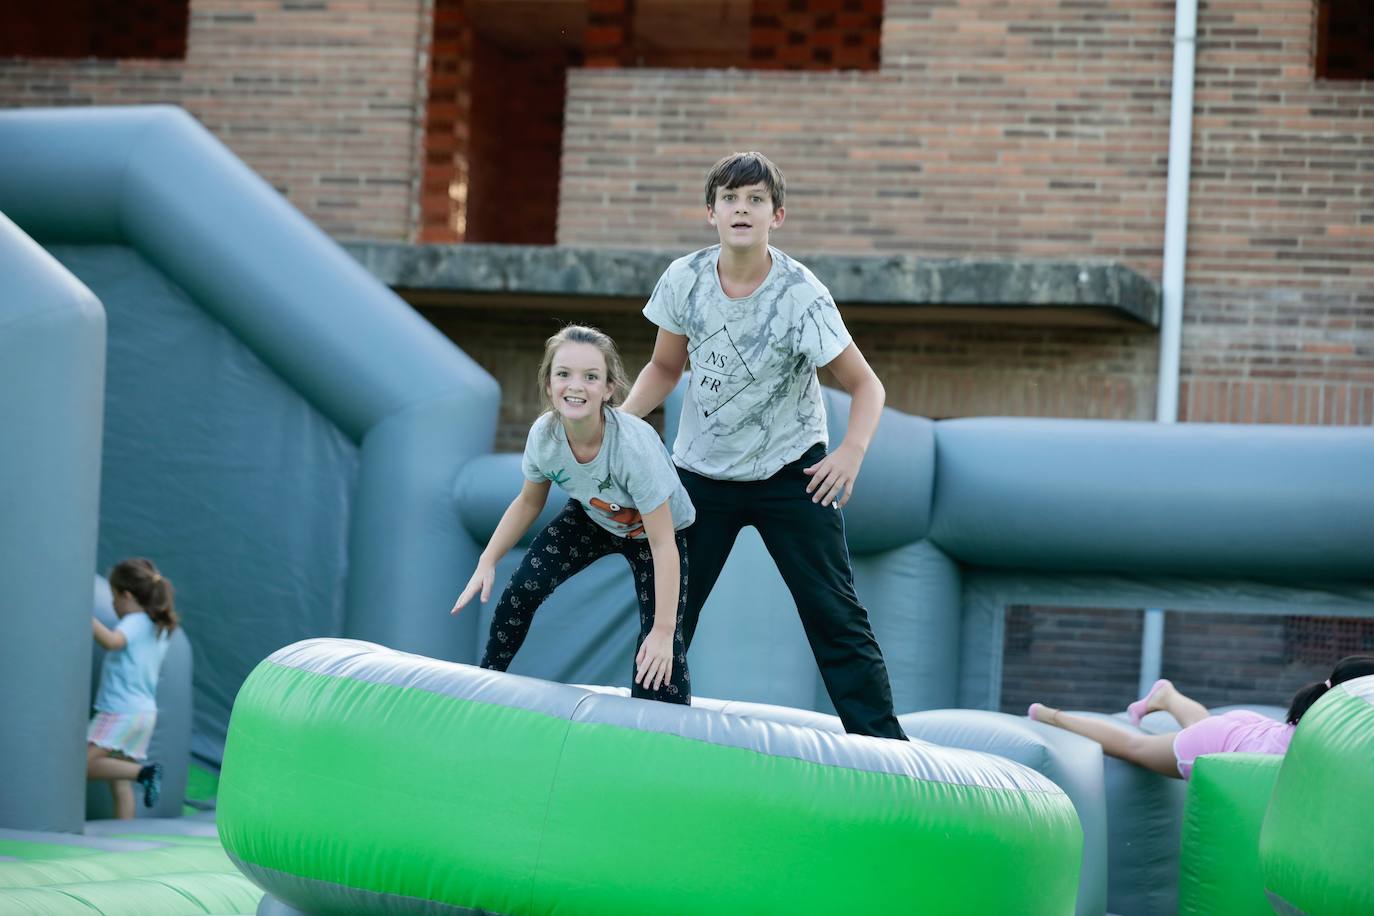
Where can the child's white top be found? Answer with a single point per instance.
(631, 474)
(754, 403)
(128, 679)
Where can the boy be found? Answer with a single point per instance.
(751, 446)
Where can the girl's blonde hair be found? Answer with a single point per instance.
(576, 333)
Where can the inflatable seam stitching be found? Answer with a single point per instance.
(548, 801)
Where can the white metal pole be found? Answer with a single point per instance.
(1175, 254)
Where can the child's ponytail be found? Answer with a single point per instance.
(1348, 668)
(154, 593)
(1303, 700)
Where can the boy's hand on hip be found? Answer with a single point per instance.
(654, 661)
(832, 478)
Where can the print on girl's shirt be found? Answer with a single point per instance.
(626, 516)
(718, 372)
(632, 468)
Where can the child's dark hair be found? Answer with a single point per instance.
(140, 578)
(1348, 668)
(739, 169)
(576, 333)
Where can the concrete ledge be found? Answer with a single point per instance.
(904, 286)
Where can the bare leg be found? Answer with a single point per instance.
(1153, 752)
(122, 790)
(1179, 705)
(119, 773)
(100, 765)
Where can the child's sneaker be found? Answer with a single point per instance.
(150, 778)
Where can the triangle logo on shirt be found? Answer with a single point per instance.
(719, 373)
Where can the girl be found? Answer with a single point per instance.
(1203, 733)
(126, 705)
(626, 498)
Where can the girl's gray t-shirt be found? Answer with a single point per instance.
(630, 476)
(754, 402)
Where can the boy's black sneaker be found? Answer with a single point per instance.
(150, 778)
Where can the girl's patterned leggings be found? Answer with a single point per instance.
(567, 545)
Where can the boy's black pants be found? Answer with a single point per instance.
(806, 541)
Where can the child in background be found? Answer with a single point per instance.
(1202, 733)
(752, 445)
(625, 498)
(126, 704)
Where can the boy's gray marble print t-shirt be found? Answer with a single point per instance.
(631, 475)
(754, 403)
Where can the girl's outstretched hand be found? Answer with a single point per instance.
(481, 581)
(654, 661)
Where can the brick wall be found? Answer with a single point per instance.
(815, 34)
(952, 370)
(1084, 658)
(610, 29)
(1089, 658)
(961, 370)
(1040, 129)
(446, 134)
(1280, 323)
(516, 131)
(323, 98)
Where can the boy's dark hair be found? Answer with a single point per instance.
(140, 578)
(1348, 668)
(739, 169)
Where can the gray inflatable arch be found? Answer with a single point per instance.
(151, 211)
(52, 370)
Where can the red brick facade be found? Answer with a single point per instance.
(448, 114)
(609, 39)
(1089, 658)
(1032, 130)
(1040, 129)
(323, 99)
(815, 34)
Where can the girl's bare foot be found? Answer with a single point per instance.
(1042, 713)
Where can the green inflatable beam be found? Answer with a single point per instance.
(1317, 843)
(361, 779)
(1219, 864)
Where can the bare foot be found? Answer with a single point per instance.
(1042, 713)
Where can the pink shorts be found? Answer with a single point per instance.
(1237, 730)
